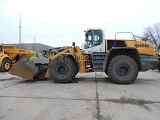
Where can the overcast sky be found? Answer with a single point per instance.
(60, 22)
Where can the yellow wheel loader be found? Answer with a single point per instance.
(10, 55)
(120, 59)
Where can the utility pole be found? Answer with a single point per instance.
(20, 32)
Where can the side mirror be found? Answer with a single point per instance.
(86, 37)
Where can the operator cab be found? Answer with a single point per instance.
(94, 41)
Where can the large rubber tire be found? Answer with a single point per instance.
(75, 69)
(122, 69)
(75, 66)
(6, 65)
(159, 66)
(62, 70)
(106, 72)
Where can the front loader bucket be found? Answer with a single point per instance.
(24, 68)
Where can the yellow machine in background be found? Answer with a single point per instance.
(10, 55)
(120, 59)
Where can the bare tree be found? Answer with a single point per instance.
(152, 35)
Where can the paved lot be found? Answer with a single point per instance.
(89, 99)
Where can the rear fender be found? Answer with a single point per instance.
(132, 52)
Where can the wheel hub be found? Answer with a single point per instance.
(7, 66)
(62, 70)
(123, 70)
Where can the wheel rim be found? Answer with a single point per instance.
(62, 70)
(123, 70)
(7, 66)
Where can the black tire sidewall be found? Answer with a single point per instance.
(123, 60)
(56, 76)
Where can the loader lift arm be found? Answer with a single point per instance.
(61, 67)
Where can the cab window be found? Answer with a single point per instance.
(93, 38)
(98, 38)
(86, 45)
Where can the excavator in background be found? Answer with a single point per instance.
(120, 59)
(11, 54)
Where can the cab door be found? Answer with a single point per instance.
(94, 42)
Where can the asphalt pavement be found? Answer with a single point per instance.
(92, 98)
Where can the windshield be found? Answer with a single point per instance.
(85, 45)
(93, 38)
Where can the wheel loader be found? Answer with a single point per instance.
(120, 59)
(11, 54)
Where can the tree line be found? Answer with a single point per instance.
(152, 35)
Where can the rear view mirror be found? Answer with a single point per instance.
(86, 37)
